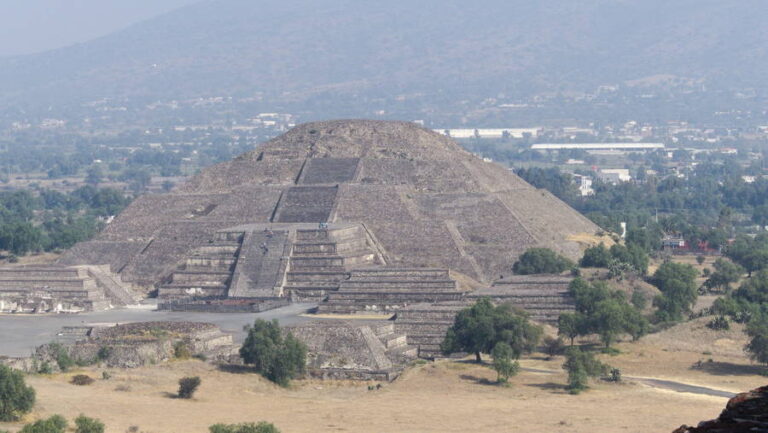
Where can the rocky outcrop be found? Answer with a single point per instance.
(745, 413)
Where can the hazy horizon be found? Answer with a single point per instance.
(40, 25)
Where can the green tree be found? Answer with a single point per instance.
(570, 325)
(541, 261)
(479, 328)
(16, 398)
(752, 254)
(677, 283)
(503, 363)
(757, 348)
(84, 424)
(276, 355)
(601, 311)
(596, 257)
(726, 273)
(755, 289)
(262, 427)
(54, 424)
(581, 365)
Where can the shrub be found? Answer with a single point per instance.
(105, 375)
(503, 363)
(553, 346)
(54, 424)
(81, 380)
(719, 323)
(615, 375)
(188, 386)
(104, 353)
(541, 261)
(277, 356)
(262, 427)
(60, 354)
(580, 366)
(181, 350)
(16, 398)
(88, 425)
(45, 368)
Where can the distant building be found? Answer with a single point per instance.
(585, 184)
(598, 146)
(673, 243)
(614, 175)
(489, 132)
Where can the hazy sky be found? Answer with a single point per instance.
(28, 26)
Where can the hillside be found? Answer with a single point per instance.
(293, 50)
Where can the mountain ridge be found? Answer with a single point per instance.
(364, 48)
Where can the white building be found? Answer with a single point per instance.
(585, 185)
(614, 175)
(489, 132)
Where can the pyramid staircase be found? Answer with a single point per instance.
(320, 260)
(207, 271)
(49, 288)
(385, 290)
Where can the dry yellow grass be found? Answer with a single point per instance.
(441, 397)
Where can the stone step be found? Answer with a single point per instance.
(399, 284)
(312, 235)
(208, 262)
(393, 340)
(302, 262)
(399, 273)
(39, 273)
(196, 276)
(317, 275)
(411, 296)
(318, 248)
(228, 237)
(404, 352)
(385, 328)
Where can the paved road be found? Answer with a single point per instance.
(660, 384)
(20, 334)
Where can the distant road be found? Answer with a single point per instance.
(20, 334)
(660, 384)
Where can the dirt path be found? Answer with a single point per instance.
(659, 384)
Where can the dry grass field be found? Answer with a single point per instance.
(442, 397)
(447, 396)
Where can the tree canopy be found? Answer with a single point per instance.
(479, 328)
(277, 355)
(726, 273)
(581, 365)
(602, 311)
(677, 283)
(541, 261)
(16, 398)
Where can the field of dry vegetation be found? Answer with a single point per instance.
(447, 396)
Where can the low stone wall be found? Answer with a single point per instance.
(223, 306)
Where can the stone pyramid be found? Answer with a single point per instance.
(424, 201)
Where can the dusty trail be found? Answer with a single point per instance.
(659, 384)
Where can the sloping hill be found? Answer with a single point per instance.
(370, 48)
